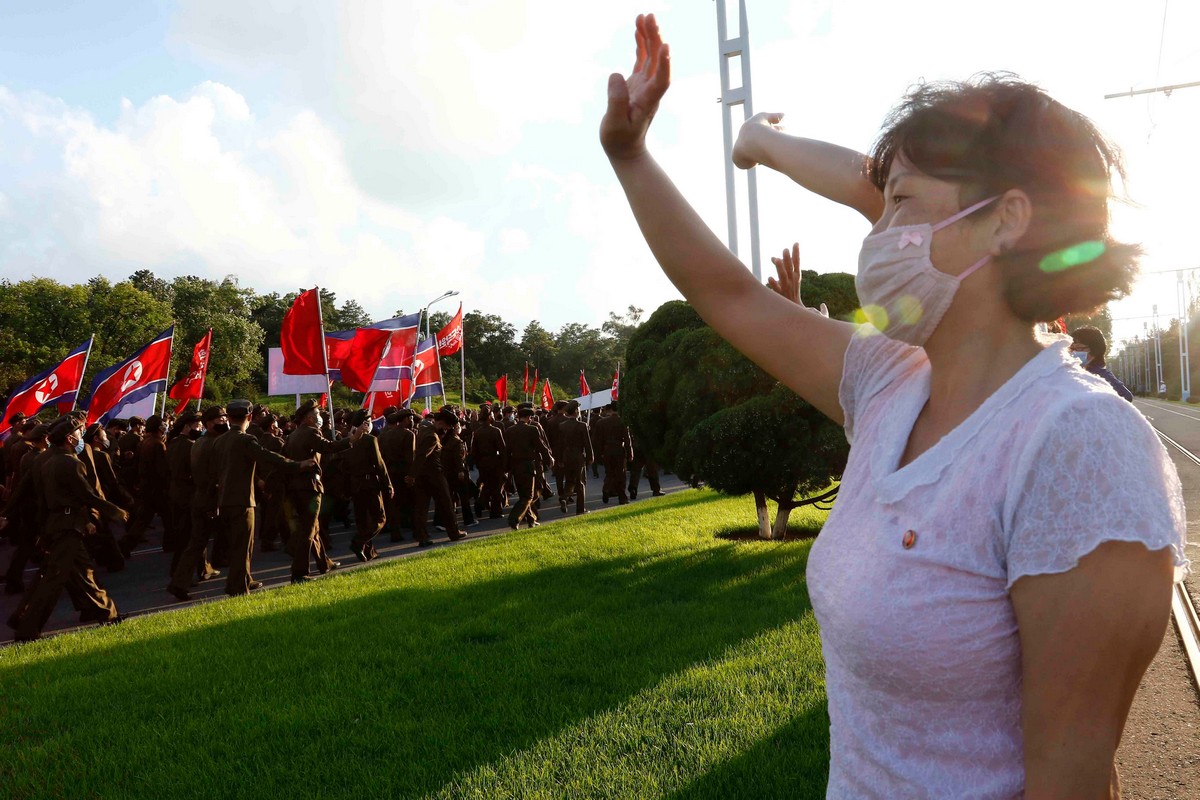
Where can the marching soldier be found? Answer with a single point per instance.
(205, 521)
(551, 426)
(238, 454)
(454, 466)
(428, 480)
(70, 507)
(526, 452)
(370, 485)
(575, 447)
(397, 444)
(639, 462)
(127, 453)
(271, 489)
(490, 454)
(23, 511)
(181, 440)
(615, 448)
(306, 489)
(153, 488)
(102, 545)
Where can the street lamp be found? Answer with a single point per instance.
(436, 354)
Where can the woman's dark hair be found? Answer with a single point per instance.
(1093, 340)
(995, 132)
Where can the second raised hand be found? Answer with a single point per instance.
(787, 285)
(633, 101)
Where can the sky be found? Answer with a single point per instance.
(391, 151)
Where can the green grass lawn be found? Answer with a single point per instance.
(630, 654)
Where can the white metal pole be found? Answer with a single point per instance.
(728, 48)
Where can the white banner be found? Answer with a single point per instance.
(142, 408)
(597, 399)
(278, 383)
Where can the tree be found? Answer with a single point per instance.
(491, 345)
(706, 411)
(538, 347)
(236, 359)
(621, 327)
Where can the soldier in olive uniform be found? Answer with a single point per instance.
(153, 489)
(70, 507)
(551, 426)
(127, 454)
(616, 450)
(428, 480)
(22, 510)
(238, 455)
(642, 461)
(490, 454)
(575, 448)
(180, 441)
(526, 452)
(397, 443)
(205, 521)
(370, 486)
(305, 490)
(454, 466)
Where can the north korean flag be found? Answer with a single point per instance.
(378, 402)
(427, 372)
(339, 345)
(58, 385)
(142, 374)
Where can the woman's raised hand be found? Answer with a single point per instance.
(746, 150)
(788, 283)
(633, 101)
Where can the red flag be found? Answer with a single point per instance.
(616, 382)
(583, 387)
(301, 338)
(56, 386)
(191, 386)
(142, 374)
(324, 399)
(367, 350)
(502, 390)
(547, 398)
(450, 338)
(525, 382)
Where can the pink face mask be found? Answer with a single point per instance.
(897, 275)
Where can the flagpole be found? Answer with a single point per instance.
(75, 402)
(170, 355)
(462, 363)
(387, 348)
(325, 357)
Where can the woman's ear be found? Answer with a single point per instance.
(1013, 216)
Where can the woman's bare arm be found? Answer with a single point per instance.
(832, 171)
(1087, 637)
(802, 349)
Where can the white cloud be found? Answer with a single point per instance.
(512, 240)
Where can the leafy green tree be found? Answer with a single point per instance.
(539, 348)
(236, 359)
(491, 345)
(706, 411)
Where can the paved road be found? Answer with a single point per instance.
(140, 588)
(1182, 423)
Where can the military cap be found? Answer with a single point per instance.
(42, 429)
(359, 417)
(154, 423)
(306, 408)
(16, 419)
(238, 408)
(524, 410)
(91, 432)
(119, 424)
(59, 431)
(524, 406)
(212, 413)
(135, 421)
(559, 405)
(573, 406)
(28, 425)
(187, 418)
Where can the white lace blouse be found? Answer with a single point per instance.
(909, 579)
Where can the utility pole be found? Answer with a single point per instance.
(1185, 365)
(1158, 366)
(729, 48)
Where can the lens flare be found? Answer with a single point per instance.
(875, 315)
(908, 310)
(1072, 256)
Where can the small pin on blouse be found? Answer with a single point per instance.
(910, 538)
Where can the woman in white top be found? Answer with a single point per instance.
(996, 575)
